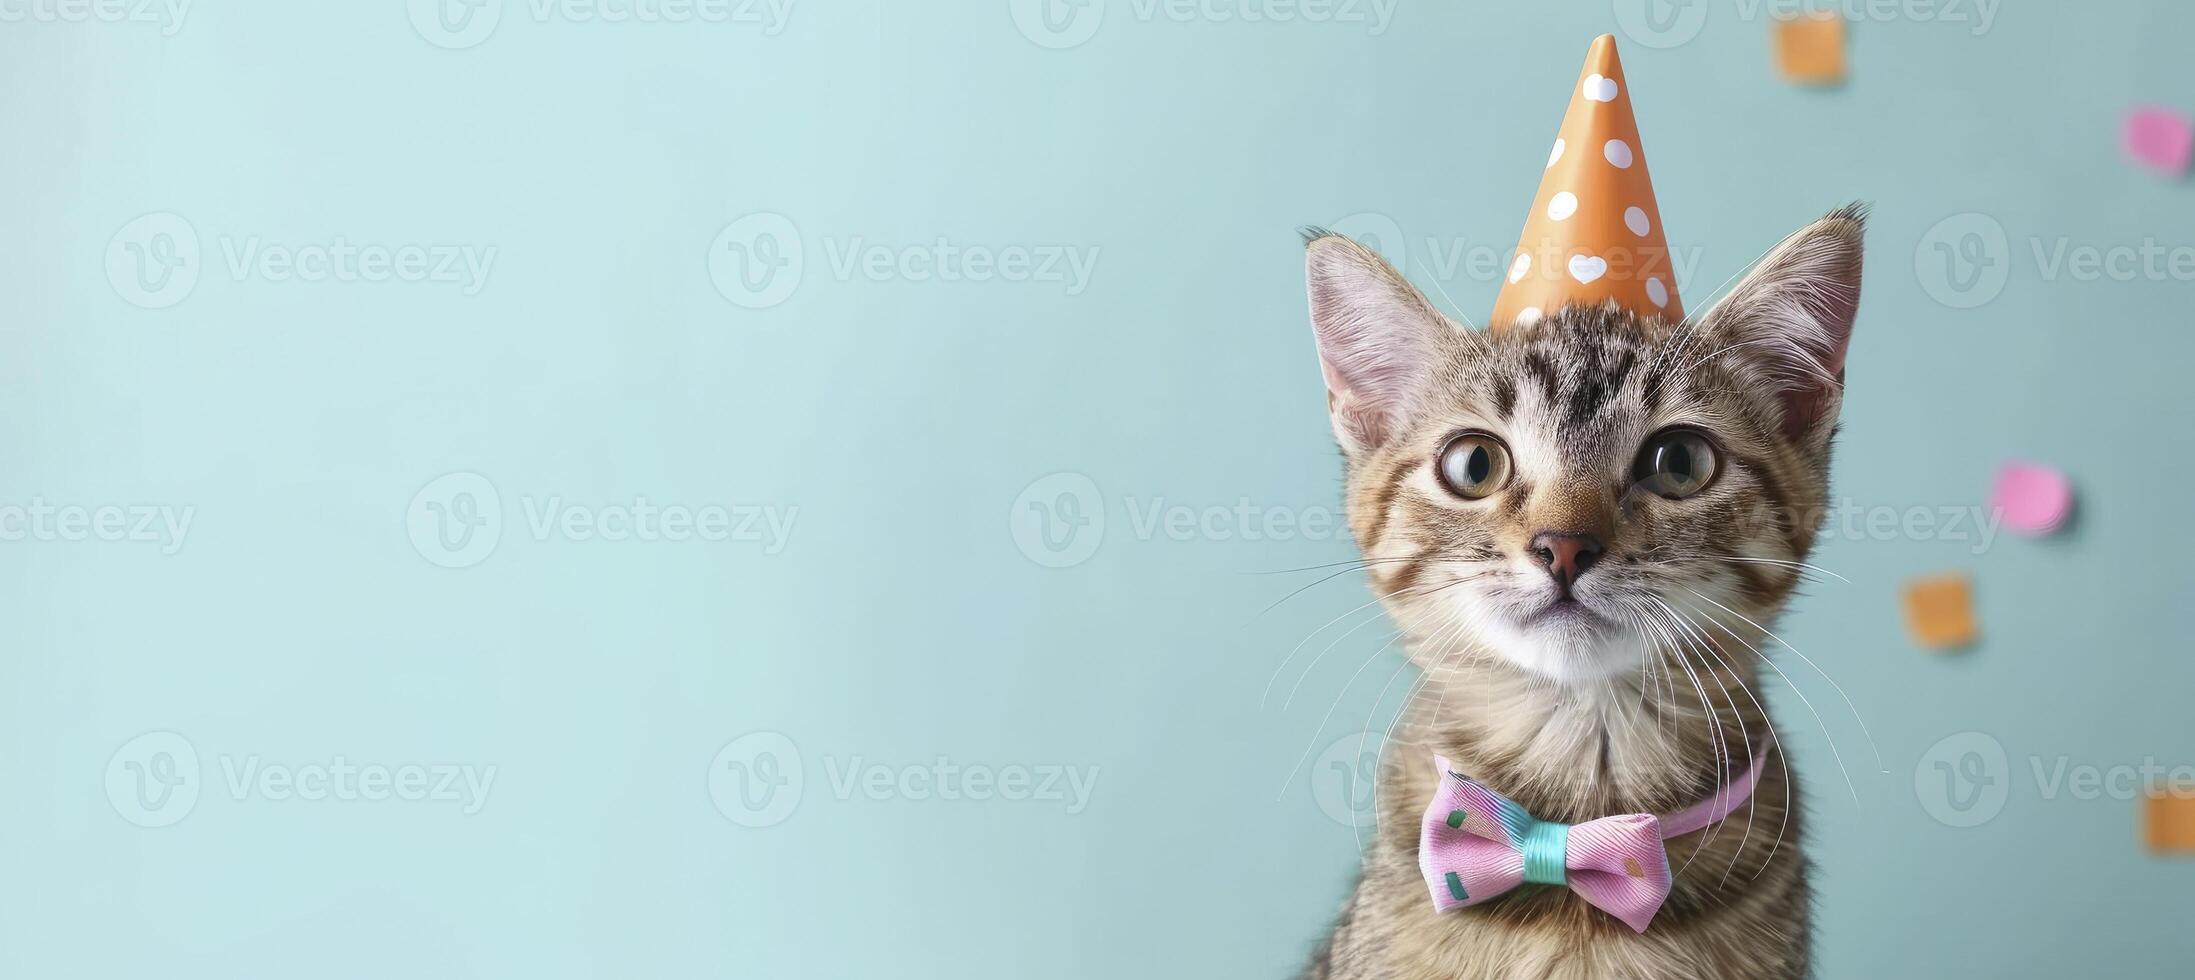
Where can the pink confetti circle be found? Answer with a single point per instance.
(2032, 498)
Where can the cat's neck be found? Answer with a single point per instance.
(1652, 741)
(1638, 744)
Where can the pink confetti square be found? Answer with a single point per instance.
(2159, 138)
(2032, 498)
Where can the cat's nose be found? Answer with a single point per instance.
(1566, 554)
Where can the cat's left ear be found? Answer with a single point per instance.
(1376, 335)
(1791, 320)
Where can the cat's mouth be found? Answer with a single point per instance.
(1567, 611)
(1565, 637)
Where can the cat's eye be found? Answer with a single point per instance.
(1675, 463)
(1473, 465)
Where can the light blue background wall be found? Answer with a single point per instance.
(896, 423)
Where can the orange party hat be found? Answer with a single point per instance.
(1595, 233)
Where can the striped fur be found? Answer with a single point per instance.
(1652, 704)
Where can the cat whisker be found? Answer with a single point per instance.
(1689, 368)
(1423, 678)
(1264, 699)
(1782, 761)
(1329, 715)
(1353, 563)
(1329, 648)
(1805, 568)
(1827, 736)
(1351, 682)
(1849, 706)
(1646, 669)
(1322, 580)
(1708, 648)
(1716, 742)
(1681, 341)
(1354, 827)
(1443, 291)
(1439, 669)
(1650, 687)
(1809, 566)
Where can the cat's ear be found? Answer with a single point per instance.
(1376, 339)
(1791, 320)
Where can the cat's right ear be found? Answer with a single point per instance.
(1375, 339)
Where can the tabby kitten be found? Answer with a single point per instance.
(1585, 528)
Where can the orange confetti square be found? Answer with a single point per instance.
(2169, 819)
(1810, 49)
(1939, 609)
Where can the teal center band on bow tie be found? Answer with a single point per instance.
(1546, 849)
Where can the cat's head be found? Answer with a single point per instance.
(1570, 494)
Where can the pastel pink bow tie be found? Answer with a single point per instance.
(1479, 844)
